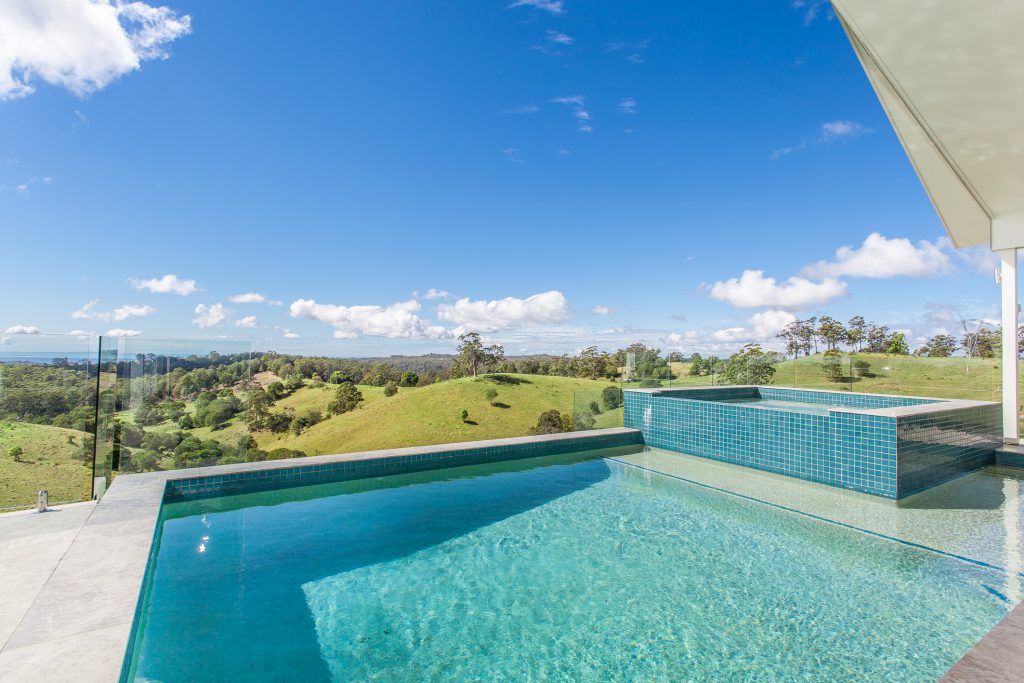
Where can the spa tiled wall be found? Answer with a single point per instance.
(884, 456)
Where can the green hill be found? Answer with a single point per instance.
(51, 460)
(432, 414)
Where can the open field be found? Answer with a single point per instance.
(49, 462)
(432, 414)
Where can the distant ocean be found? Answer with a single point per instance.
(42, 357)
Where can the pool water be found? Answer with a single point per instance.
(776, 404)
(572, 567)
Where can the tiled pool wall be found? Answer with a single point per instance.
(275, 475)
(835, 398)
(881, 454)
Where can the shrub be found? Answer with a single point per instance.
(15, 452)
(611, 397)
(465, 415)
(552, 422)
(346, 398)
(595, 408)
(492, 394)
(390, 389)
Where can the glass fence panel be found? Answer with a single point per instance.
(48, 415)
(597, 408)
(181, 403)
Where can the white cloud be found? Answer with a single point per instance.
(288, 334)
(579, 112)
(981, 259)
(248, 321)
(627, 105)
(166, 285)
(842, 130)
(525, 109)
(559, 38)
(81, 334)
(507, 313)
(22, 329)
(600, 310)
(247, 298)
(432, 293)
(556, 7)
(88, 312)
(119, 332)
(881, 257)
(754, 290)
(632, 48)
(81, 45)
(210, 316)
(767, 324)
(396, 320)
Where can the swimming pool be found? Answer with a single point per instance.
(566, 567)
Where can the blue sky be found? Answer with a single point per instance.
(386, 175)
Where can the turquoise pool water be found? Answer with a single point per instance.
(576, 568)
(776, 404)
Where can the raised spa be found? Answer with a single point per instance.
(890, 446)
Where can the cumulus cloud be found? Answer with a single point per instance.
(600, 310)
(556, 7)
(22, 329)
(119, 332)
(89, 312)
(982, 259)
(248, 321)
(881, 257)
(754, 290)
(81, 45)
(398, 320)
(210, 316)
(767, 324)
(247, 298)
(288, 334)
(167, 284)
(507, 313)
(81, 334)
(431, 294)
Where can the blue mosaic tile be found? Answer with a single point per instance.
(880, 455)
(260, 480)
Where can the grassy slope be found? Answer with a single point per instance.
(48, 463)
(431, 414)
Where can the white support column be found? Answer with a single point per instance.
(1008, 279)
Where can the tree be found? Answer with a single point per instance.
(491, 394)
(552, 422)
(696, 365)
(752, 365)
(674, 357)
(338, 377)
(15, 452)
(856, 331)
(832, 365)
(276, 390)
(595, 408)
(831, 331)
(809, 334)
(473, 355)
(898, 345)
(259, 408)
(877, 337)
(611, 397)
(346, 398)
(793, 334)
(390, 389)
(939, 346)
(409, 379)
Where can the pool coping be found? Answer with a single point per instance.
(940, 404)
(84, 614)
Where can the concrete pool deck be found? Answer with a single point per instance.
(70, 578)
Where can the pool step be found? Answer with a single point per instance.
(1009, 455)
